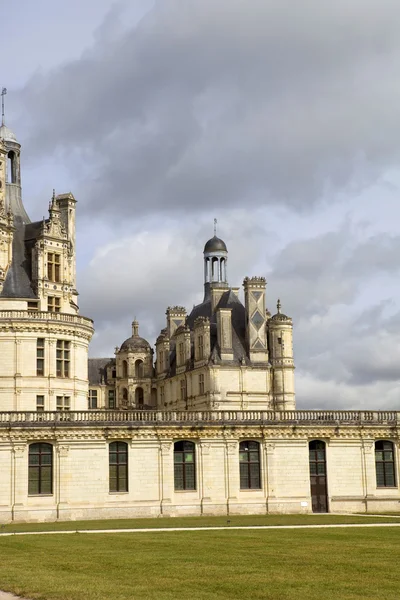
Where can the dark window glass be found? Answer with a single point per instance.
(40, 476)
(118, 462)
(184, 466)
(384, 464)
(249, 464)
(40, 356)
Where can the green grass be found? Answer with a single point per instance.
(309, 564)
(204, 521)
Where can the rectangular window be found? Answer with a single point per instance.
(40, 403)
(33, 306)
(40, 469)
(40, 356)
(200, 343)
(384, 464)
(184, 466)
(53, 304)
(118, 467)
(111, 399)
(63, 403)
(92, 398)
(53, 266)
(201, 384)
(249, 460)
(63, 358)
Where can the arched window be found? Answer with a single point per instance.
(139, 397)
(317, 465)
(249, 459)
(139, 370)
(124, 369)
(124, 396)
(40, 476)
(384, 464)
(184, 466)
(118, 463)
(11, 175)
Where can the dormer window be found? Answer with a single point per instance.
(53, 266)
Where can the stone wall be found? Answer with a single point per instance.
(81, 441)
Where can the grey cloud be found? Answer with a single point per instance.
(208, 104)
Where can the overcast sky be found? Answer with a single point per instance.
(279, 118)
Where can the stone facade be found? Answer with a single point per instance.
(81, 463)
(222, 355)
(209, 428)
(43, 339)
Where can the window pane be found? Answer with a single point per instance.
(178, 457)
(255, 476)
(178, 474)
(190, 477)
(244, 477)
(189, 457)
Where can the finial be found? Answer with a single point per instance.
(54, 195)
(215, 226)
(135, 328)
(3, 93)
(279, 306)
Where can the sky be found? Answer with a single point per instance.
(280, 119)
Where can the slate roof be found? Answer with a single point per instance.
(97, 370)
(18, 278)
(228, 300)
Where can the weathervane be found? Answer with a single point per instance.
(3, 93)
(215, 226)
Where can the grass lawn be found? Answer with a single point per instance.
(309, 564)
(196, 522)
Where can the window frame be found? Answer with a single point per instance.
(388, 464)
(63, 359)
(53, 304)
(54, 267)
(40, 468)
(92, 399)
(40, 356)
(111, 395)
(248, 480)
(183, 467)
(121, 451)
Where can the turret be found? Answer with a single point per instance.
(280, 333)
(215, 269)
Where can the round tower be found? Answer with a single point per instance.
(280, 338)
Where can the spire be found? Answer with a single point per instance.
(3, 93)
(215, 227)
(278, 306)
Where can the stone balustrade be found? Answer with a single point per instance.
(18, 315)
(212, 417)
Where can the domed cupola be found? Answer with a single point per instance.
(134, 362)
(215, 244)
(7, 135)
(215, 263)
(135, 342)
(279, 315)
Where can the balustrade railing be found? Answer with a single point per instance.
(210, 417)
(45, 316)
